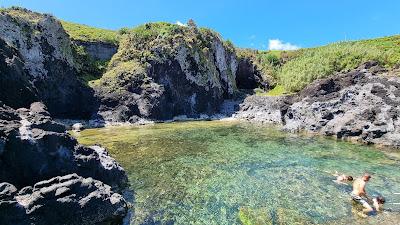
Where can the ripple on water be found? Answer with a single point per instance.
(233, 173)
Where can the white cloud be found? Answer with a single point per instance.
(181, 24)
(276, 44)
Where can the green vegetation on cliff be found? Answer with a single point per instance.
(23, 14)
(157, 43)
(89, 68)
(293, 70)
(90, 34)
(315, 63)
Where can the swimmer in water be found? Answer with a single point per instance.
(342, 178)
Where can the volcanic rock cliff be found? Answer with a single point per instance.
(163, 70)
(37, 64)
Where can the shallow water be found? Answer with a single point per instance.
(234, 173)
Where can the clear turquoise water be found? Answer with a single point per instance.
(234, 173)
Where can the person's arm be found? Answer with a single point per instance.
(376, 205)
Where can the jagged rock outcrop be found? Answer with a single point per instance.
(263, 109)
(68, 199)
(163, 70)
(34, 147)
(37, 63)
(361, 105)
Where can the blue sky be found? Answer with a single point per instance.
(250, 23)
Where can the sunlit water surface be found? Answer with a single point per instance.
(234, 173)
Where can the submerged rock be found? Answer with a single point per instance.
(361, 105)
(68, 199)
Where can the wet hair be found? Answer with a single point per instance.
(349, 178)
(367, 175)
(380, 200)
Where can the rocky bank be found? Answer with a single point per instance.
(361, 105)
(46, 177)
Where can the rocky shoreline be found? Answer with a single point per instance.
(361, 105)
(48, 178)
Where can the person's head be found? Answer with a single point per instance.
(381, 200)
(349, 178)
(366, 177)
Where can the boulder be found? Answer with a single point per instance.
(33, 147)
(68, 199)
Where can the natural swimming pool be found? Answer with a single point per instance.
(219, 172)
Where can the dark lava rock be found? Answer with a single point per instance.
(37, 64)
(248, 76)
(187, 71)
(33, 148)
(68, 199)
(361, 105)
(16, 89)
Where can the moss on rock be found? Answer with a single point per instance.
(189, 65)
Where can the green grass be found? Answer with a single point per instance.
(321, 62)
(91, 34)
(293, 70)
(22, 14)
(278, 90)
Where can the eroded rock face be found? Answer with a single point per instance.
(361, 105)
(16, 89)
(248, 76)
(68, 199)
(37, 63)
(34, 147)
(98, 50)
(187, 71)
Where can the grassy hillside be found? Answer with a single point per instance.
(320, 62)
(91, 34)
(293, 70)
